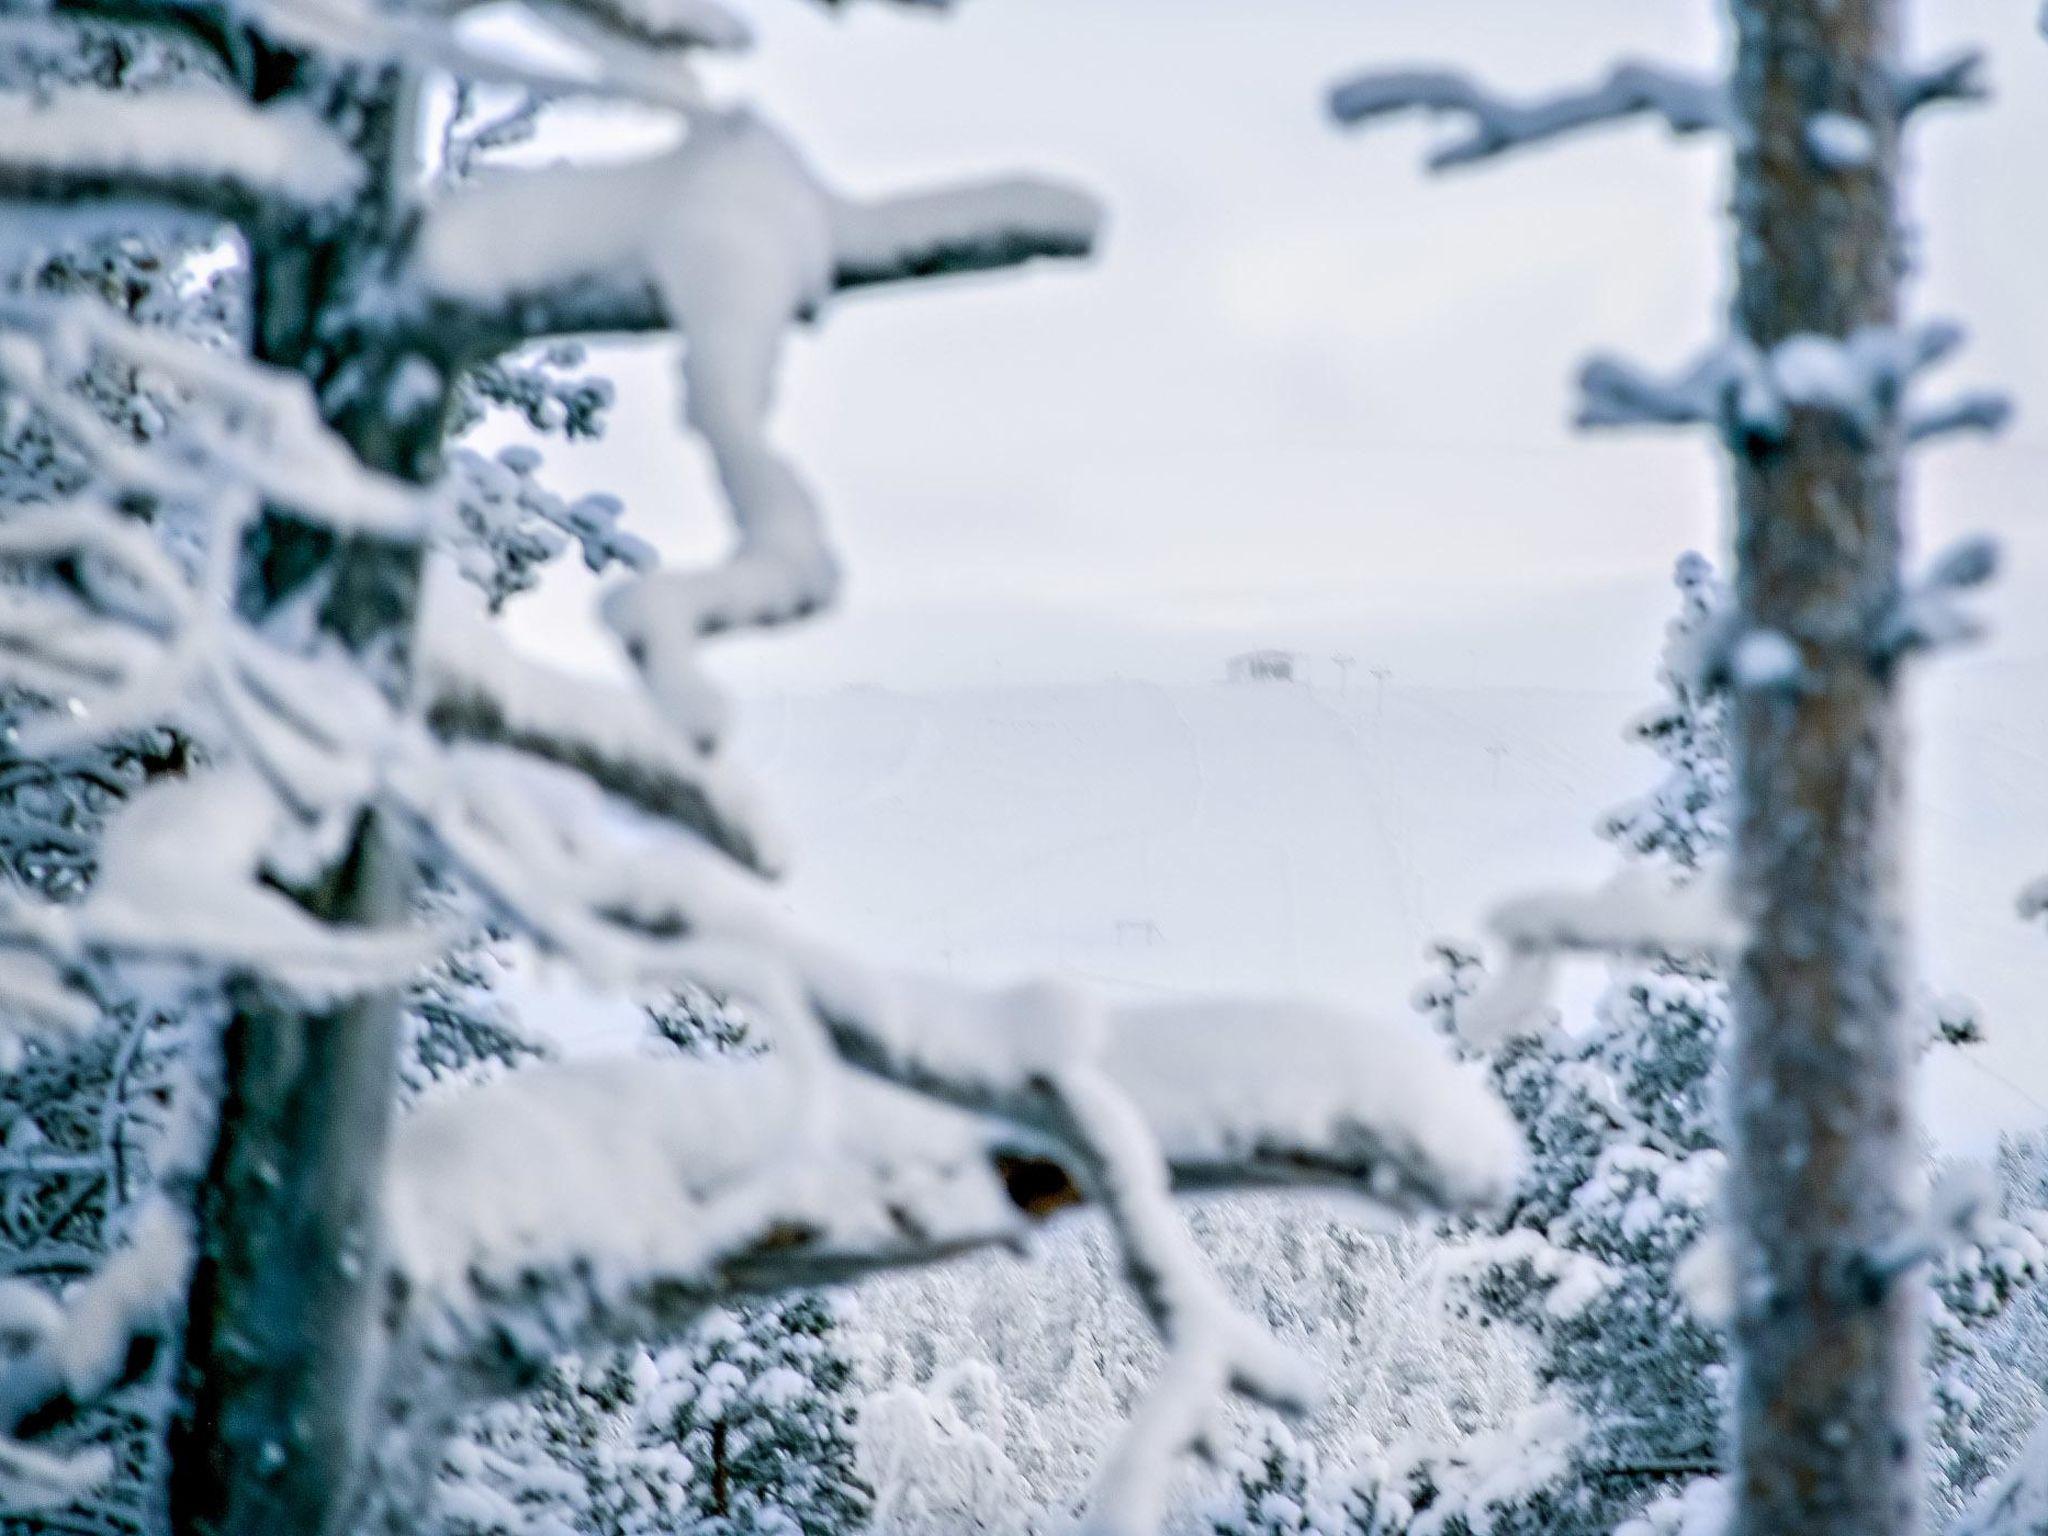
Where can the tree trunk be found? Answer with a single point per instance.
(283, 1338)
(1827, 1419)
(281, 1331)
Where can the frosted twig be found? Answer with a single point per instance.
(474, 688)
(1750, 395)
(197, 148)
(1929, 614)
(1212, 1347)
(1639, 913)
(1686, 103)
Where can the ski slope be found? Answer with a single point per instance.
(1277, 837)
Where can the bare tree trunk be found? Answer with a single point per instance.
(1827, 1419)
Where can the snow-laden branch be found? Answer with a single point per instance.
(239, 424)
(646, 1178)
(194, 148)
(611, 230)
(1638, 913)
(473, 687)
(1685, 103)
(571, 1206)
(1226, 1094)
(729, 241)
(1749, 394)
(973, 227)
(58, 1354)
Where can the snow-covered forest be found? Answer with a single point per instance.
(483, 1054)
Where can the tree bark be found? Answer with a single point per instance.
(283, 1337)
(282, 1331)
(1827, 1418)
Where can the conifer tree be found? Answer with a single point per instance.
(1811, 395)
(1274, 1492)
(338, 1285)
(1621, 1118)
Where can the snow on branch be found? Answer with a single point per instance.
(182, 878)
(575, 1205)
(729, 241)
(1638, 913)
(58, 1356)
(609, 230)
(1685, 103)
(195, 148)
(1119, 1104)
(239, 422)
(645, 1177)
(473, 687)
(1750, 394)
(1929, 614)
(974, 228)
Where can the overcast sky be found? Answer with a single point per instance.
(1307, 395)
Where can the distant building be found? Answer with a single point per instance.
(1264, 667)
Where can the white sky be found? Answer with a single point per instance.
(1308, 395)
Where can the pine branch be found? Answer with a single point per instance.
(1685, 103)
(202, 151)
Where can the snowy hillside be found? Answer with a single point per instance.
(1276, 837)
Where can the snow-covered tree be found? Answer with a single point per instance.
(1812, 397)
(942, 1456)
(759, 1400)
(992, 1386)
(1623, 1118)
(744, 1428)
(340, 1286)
(1275, 1491)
